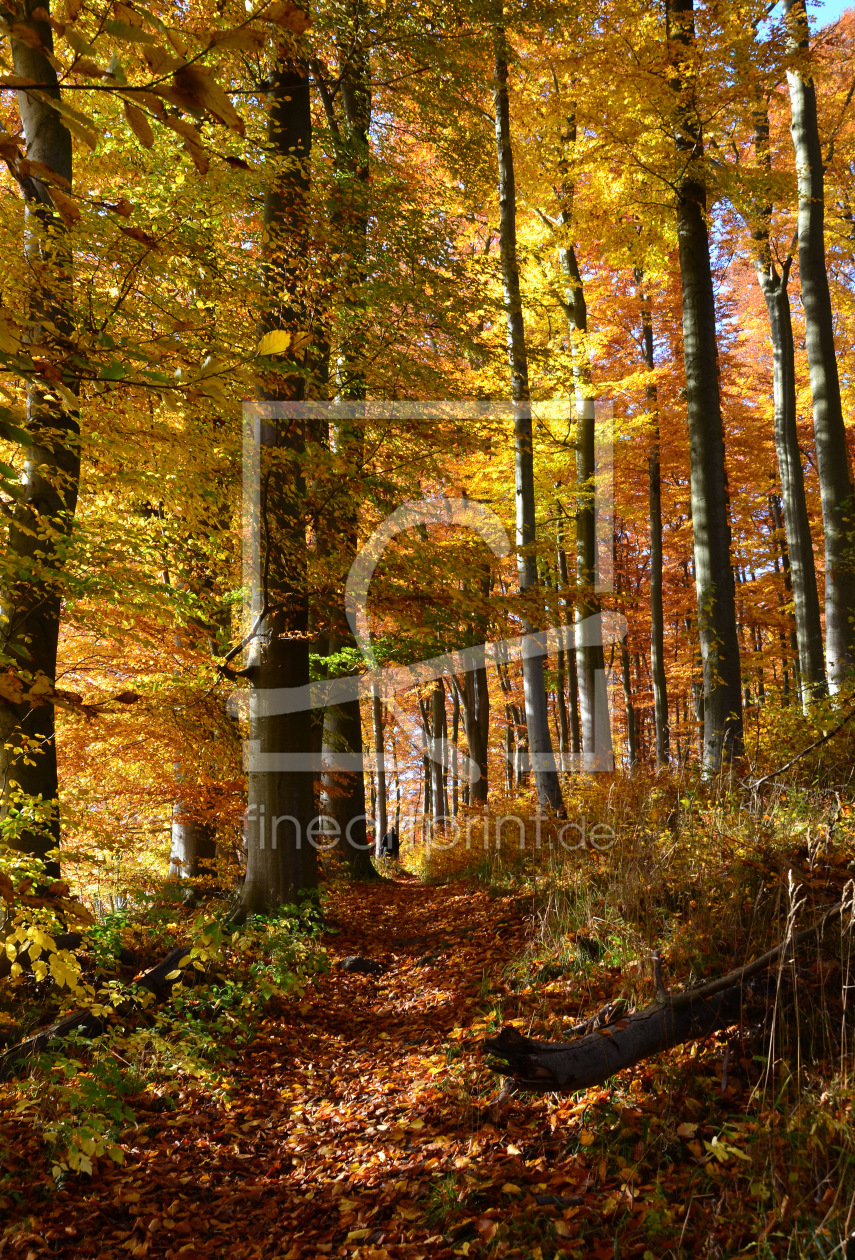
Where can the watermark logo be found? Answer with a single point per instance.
(389, 681)
(492, 833)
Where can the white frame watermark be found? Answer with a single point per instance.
(389, 680)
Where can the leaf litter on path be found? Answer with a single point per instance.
(358, 1124)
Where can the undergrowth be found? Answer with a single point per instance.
(81, 1095)
(748, 1136)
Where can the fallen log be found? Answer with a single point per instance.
(88, 1023)
(670, 1020)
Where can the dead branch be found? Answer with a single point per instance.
(669, 1021)
(87, 1023)
(816, 744)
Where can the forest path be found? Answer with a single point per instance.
(351, 1131)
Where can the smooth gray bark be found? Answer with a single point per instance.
(281, 860)
(540, 740)
(455, 759)
(570, 654)
(509, 749)
(380, 813)
(831, 451)
(785, 597)
(349, 213)
(192, 844)
(427, 764)
(473, 694)
(475, 702)
(439, 733)
(710, 515)
(802, 570)
(343, 791)
(590, 663)
(44, 515)
(654, 488)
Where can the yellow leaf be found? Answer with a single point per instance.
(510, 1188)
(275, 342)
(79, 124)
(356, 1235)
(561, 1229)
(42, 685)
(66, 206)
(244, 38)
(687, 1130)
(416, 1124)
(197, 82)
(586, 1138)
(173, 975)
(287, 15)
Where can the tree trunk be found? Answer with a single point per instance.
(595, 728)
(474, 696)
(281, 860)
(596, 739)
(343, 791)
(802, 570)
(475, 701)
(43, 517)
(439, 733)
(654, 483)
(780, 544)
(427, 763)
(710, 517)
(191, 844)
(612, 1041)
(570, 654)
(592, 1059)
(631, 745)
(510, 753)
(540, 740)
(831, 451)
(380, 813)
(350, 216)
(455, 756)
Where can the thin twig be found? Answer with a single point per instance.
(759, 964)
(816, 744)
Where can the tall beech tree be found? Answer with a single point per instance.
(380, 812)
(774, 282)
(590, 659)
(281, 861)
(654, 484)
(43, 516)
(349, 213)
(710, 521)
(829, 431)
(569, 654)
(539, 737)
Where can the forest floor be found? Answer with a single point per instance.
(358, 1123)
